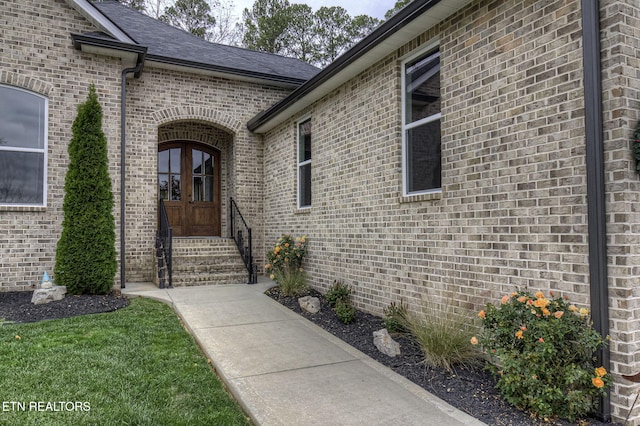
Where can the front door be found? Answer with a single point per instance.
(189, 184)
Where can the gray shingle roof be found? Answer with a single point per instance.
(169, 44)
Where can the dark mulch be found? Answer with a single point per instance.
(470, 390)
(17, 307)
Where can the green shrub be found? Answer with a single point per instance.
(338, 291)
(544, 352)
(395, 317)
(292, 282)
(345, 311)
(444, 336)
(286, 255)
(86, 254)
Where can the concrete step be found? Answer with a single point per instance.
(185, 280)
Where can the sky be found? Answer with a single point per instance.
(375, 8)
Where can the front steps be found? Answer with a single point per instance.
(207, 261)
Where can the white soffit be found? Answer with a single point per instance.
(99, 20)
(408, 32)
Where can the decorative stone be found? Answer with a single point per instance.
(310, 304)
(46, 295)
(385, 343)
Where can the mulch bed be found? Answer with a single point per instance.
(470, 390)
(17, 307)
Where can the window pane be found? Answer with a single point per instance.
(208, 188)
(175, 188)
(423, 157)
(163, 186)
(304, 183)
(422, 80)
(197, 188)
(175, 160)
(304, 141)
(21, 177)
(163, 162)
(22, 118)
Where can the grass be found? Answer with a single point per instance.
(293, 282)
(443, 335)
(136, 366)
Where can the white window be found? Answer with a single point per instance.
(421, 155)
(23, 147)
(304, 163)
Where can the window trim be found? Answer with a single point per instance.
(300, 164)
(44, 150)
(408, 126)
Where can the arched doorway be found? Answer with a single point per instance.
(189, 184)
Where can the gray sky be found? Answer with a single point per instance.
(375, 8)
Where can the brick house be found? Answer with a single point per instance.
(463, 150)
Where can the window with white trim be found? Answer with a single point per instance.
(421, 162)
(23, 147)
(304, 163)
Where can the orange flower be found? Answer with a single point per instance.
(513, 294)
(505, 299)
(481, 314)
(597, 382)
(286, 245)
(541, 303)
(541, 340)
(522, 299)
(545, 312)
(540, 295)
(267, 266)
(474, 340)
(558, 314)
(601, 371)
(519, 334)
(573, 308)
(551, 293)
(523, 327)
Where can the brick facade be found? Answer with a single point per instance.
(38, 55)
(512, 213)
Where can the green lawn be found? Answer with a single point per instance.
(136, 366)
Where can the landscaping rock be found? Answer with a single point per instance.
(46, 295)
(385, 343)
(310, 304)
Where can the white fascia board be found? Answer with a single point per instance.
(99, 20)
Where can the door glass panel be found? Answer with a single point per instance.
(163, 186)
(197, 188)
(197, 162)
(175, 160)
(175, 188)
(163, 162)
(208, 188)
(208, 164)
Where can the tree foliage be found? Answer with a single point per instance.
(138, 5)
(86, 255)
(396, 8)
(294, 30)
(193, 16)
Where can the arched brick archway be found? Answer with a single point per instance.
(194, 113)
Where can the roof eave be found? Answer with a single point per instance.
(410, 22)
(90, 12)
(225, 72)
(131, 54)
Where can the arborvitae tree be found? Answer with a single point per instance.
(86, 255)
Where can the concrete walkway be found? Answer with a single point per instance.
(285, 370)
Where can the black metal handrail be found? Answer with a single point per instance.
(164, 250)
(239, 229)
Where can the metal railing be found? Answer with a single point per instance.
(241, 234)
(164, 250)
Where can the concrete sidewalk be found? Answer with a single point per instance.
(285, 370)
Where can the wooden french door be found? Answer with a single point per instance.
(189, 184)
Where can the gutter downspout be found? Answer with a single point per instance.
(596, 212)
(123, 124)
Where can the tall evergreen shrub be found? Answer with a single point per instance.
(86, 255)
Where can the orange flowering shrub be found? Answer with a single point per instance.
(545, 351)
(287, 255)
